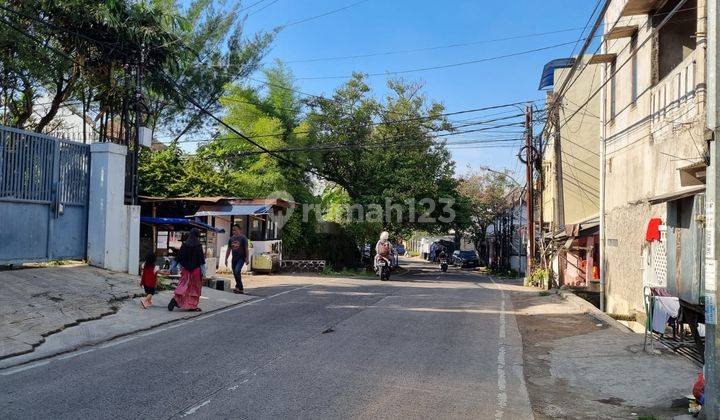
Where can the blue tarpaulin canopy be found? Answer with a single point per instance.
(548, 75)
(234, 210)
(175, 221)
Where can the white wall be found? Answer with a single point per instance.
(647, 142)
(113, 227)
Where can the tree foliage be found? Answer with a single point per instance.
(89, 52)
(486, 198)
(379, 151)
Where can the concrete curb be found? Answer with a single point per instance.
(114, 303)
(591, 310)
(189, 315)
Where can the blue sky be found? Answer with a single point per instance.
(376, 26)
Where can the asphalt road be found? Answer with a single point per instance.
(424, 345)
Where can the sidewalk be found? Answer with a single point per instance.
(38, 302)
(38, 305)
(579, 366)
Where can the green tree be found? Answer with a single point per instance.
(89, 51)
(485, 198)
(274, 119)
(379, 151)
(216, 55)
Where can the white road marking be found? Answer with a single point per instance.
(501, 370)
(121, 341)
(234, 387)
(205, 316)
(77, 353)
(196, 408)
(23, 368)
(502, 319)
(11, 371)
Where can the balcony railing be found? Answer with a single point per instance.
(673, 98)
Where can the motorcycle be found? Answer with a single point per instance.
(382, 268)
(443, 264)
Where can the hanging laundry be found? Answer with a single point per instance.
(653, 230)
(664, 307)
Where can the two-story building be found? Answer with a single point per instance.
(570, 227)
(653, 150)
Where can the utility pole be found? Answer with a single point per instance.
(560, 196)
(529, 182)
(603, 165)
(138, 111)
(712, 251)
(559, 192)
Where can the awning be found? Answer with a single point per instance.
(548, 75)
(621, 32)
(638, 7)
(150, 199)
(172, 222)
(676, 195)
(233, 210)
(602, 58)
(584, 228)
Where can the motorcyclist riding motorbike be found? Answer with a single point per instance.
(383, 249)
(442, 258)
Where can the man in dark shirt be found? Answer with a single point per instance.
(238, 246)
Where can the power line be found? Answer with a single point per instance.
(597, 4)
(580, 108)
(445, 66)
(251, 6)
(280, 134)
(56, 27)
(630, 56)
(517, 124)
(308, 19)
(405, 51)
(561, 92)
(205, 111)
(262, 8)
(627, 46)
(375, 145)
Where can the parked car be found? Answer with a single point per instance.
(465, 259)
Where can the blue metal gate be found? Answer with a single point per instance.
(44, 184)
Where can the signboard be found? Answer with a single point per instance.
(710, 309)
(710, 275)
(710, 230)
(162, 240)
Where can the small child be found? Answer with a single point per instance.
(149, 279)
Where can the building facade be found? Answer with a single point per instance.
(570, 240)
(654, 160)
(579, 144)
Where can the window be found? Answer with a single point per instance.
(255, 232)
(634, 69)
(676, 40)
(613, 96)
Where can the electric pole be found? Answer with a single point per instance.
(136, 145)
(712, 229)
(529, 195)
(560, 196)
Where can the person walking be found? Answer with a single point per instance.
(191, 256)
(238, 246)
(148, 280)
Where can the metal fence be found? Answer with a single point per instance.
(43, 196)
